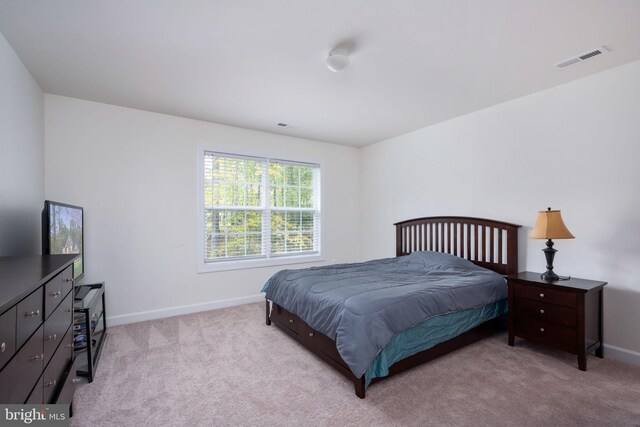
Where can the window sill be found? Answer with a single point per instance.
(210, 267)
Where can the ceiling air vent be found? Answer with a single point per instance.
(582, 57)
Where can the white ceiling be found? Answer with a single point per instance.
(254, 63)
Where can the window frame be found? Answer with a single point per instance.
(244, 263)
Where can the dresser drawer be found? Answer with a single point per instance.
(546, 332)
(29, 316)
(35, 398)
(7, 336)
(52, 295)
(65, 397)
(542, 294)
(548, 312)
(54, 372)
(56, 326)
(66, 280)
(18, 378)
(56, 289)
(10, 376)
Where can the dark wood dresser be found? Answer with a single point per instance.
(36, 333)
(564, 314)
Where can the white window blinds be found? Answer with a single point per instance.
(259, 208)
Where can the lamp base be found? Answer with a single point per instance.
(553, 277)
(549, 253)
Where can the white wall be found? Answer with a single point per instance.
(575, 147)
(135, 173)
(21, 156)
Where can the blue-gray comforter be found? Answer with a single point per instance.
(362, 306)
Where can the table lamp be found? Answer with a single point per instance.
(550, 226)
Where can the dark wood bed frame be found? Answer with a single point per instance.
(488, 243)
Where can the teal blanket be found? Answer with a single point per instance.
(430, 333)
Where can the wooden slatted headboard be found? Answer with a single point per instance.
(485, 242)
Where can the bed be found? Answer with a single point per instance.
(442, 291)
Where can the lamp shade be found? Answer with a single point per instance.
(550, 226)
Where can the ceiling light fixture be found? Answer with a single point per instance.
(337, 60)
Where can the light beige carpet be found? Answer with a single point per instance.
(226, 367)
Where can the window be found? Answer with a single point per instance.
(258, 209)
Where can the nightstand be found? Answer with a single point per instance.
(564, 314)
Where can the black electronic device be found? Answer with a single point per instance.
(63, 233)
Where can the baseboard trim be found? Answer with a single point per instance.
(622, 354)
(141, 316)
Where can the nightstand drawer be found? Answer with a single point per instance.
(546, 332)
(547, 312)
(542, 294)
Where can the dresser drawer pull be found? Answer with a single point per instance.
(50, 383)
(290, 320)
(55, 294)
(75, 380)
(38, 357)
(310, 334)
(541, 295)
(541, 311)
(541, 329)
(68, 346)
(68, 310)
(52, 337)
(68, 280)
(3, 347)
(32, 313)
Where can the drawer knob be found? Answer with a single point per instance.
(68, 346)
(38, 357)
(310, 334)
(69, 280)
(52, 337)
(541, 311)
(55, 294)
(50, 383)
(3, 347)
(76, 380)
(541, 295)
(33, 313)
(541, 329)
(290, 320)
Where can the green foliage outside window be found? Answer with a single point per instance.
(235, 209)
